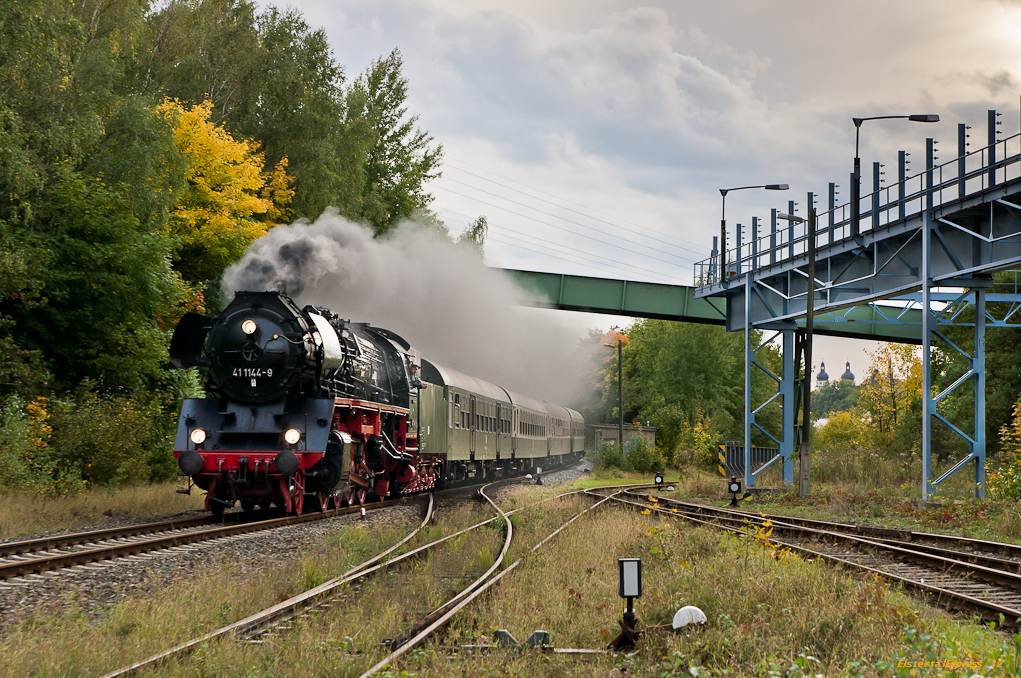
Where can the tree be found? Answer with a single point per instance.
(400, 160)
(835, 396)
(105, 279)
(87, 173)
(895, 372)
(475, 235)
(272, 79)
(683, 378)
(217, 216)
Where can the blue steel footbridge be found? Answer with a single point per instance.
(933, 239)
(919, 258)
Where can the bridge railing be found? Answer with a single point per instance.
(935, 186)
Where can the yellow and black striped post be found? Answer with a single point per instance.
(722, 461)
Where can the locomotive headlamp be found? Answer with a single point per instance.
(292, 436)
(249, 326)
(198, 436)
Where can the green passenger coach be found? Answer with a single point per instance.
(485, 430)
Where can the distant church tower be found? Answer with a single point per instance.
(822, 376)
(847, 373)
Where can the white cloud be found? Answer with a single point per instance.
(643, 110)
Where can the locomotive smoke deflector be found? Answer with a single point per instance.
(333, 355)
(189, 340)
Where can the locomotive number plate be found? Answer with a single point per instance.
(252, 372)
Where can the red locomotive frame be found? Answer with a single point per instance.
(254, 476)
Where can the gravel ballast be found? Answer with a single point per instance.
(96, 587)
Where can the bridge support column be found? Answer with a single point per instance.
(976, 363)
(749, 358)
(978, 448)
(976, 438)
(786, 392)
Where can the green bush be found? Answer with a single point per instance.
(113, 440)
(27, 462)
(640, 457)
(609, 456)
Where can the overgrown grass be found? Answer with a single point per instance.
(768, 610)
(23, 513)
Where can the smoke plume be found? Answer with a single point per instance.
(436, 294)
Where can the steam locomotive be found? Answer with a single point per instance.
(304, 404)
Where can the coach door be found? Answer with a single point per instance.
(549, 435)
(499, 429)
(472, 423)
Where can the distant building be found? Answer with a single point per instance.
(822, 376)
(610, 432)
(847, 373)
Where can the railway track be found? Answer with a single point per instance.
(958, 575)
(21, 559)
(52, 554)
(438, 619)
(952, 542)
(280, 617)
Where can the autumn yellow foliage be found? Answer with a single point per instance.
(1004, 479)
(895, 386)
(230, 200)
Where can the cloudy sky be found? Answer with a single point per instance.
(594, 135)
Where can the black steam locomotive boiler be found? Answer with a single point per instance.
(301, 404)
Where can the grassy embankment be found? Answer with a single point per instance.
(768, 610)
(25, 514)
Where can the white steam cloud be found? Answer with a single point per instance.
(437, 295)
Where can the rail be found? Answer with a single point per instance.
(951, 576)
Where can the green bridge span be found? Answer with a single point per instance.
(879, 322)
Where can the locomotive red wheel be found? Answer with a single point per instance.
(362, 496)
(349, 496)
(324, 502)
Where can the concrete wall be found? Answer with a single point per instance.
(609, 432)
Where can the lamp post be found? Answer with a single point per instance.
(856, 176)
(620, 393)
(723, 219)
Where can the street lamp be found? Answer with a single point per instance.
(723, 219)
(856, 177)
(620, 393)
